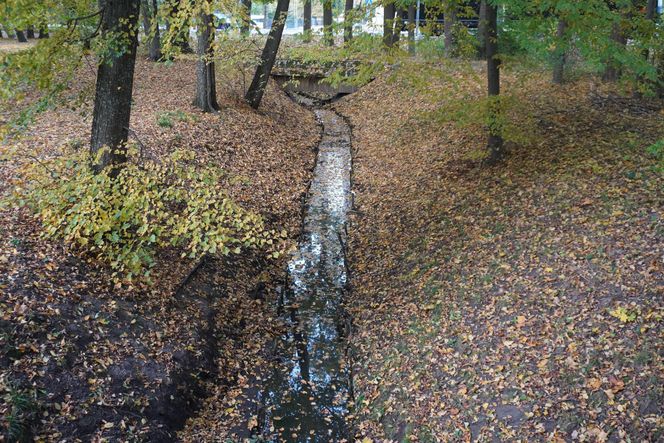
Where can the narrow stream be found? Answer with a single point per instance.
(307, 395)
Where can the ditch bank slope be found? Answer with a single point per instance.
(521, 302)
(83, 360)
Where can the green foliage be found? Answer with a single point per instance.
(657, 151)
(355, 63)
(165, 119)
(22, 409)
(122, 217)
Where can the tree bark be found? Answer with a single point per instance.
(328, 34)
(306, 27)
(495, 141)
(389, 11)
(398, 24)
(481, 32)
(8, 31)
(246, 19)
(411, 28)
(115, 78)
(257, 89)
(30, 32)
(348, 21)
(612, 70)
(206, 87)
(20, 36)
(450, 19)
(651, 9)
(182, 37)
(559, 55)
(43, 31)
(151, 29)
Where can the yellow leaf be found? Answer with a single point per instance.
(623, 314)
(594, 383)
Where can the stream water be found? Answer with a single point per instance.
(307, 394)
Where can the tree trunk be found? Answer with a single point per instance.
(182, 37)
(30, 32)
(481, 32)
(559, 53)
(495, 142)
(612, 70)
(151, 29)
(328, 34)
(398, 24)
(411, 28)
(115, 78)
(43, 31)
(20, 36)
(651, 9)
(306, 27)
(246, 19)
(8, 31)
(450, 19)
(266, 19)
(348, 21)
(206, 88)
(255, 92)
(388, 24)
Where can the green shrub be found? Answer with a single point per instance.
(123, 220)
(657, 151)
(164, 120)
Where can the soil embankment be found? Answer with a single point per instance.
(81, 359)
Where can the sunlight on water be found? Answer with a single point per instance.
(307, 395)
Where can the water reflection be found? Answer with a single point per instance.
(306, 396)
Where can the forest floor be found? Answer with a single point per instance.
(83, 359)
(519, 302)
(11, 45)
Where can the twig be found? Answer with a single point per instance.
(140, 143)
(72, 23)
(190, 275)
(53, 174)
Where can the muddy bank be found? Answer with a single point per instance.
(82, 359)
(299, 387)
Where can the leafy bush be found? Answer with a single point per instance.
(657, 151)
(123, 220)
(165, 119)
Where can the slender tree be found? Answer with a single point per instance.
(181, 26)
(495, 141)
(651, 13)
(266, 18)
(481, 32)
(43, 30)
(328, 33)
(449, 24)
(206, 90)
(389, 11)
(255, 92)
(151, 29)
(559, 53)
(398, 25)
(618, 39)
(115, 78)
(411, 27)
(20, 36)
(30, 32)
(348, 21)
(306, 27)
(246, 17)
